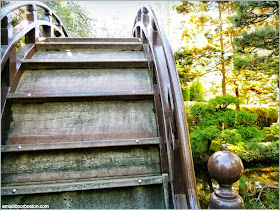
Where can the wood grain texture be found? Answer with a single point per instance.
(78, 164)
(94, 120)
(84, 80)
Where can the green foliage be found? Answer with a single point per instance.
(75, 18)
(249, 132)
(186, 94)
(223, 101)
(266, 116)
(258, 38)
(253, 12)
(271, 133)
(196, 91)
(200, 109)
(250, 185)
(213, 124)
(202, 137)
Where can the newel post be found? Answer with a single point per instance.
(227, 168)
(47, 30)
(6, 29)
(137, 19)
(31, 16)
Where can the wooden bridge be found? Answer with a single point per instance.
(92, 122)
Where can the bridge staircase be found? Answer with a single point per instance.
(92, 123)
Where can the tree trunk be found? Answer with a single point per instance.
(237, 96)
(223, 70)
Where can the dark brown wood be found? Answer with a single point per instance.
(89, 39)
(136, 46)
(51, 64)
(6, 29)
(156, 43)
(77, 143)
(86, 185)
(161, 133)
(51, 97)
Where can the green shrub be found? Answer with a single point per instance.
(201, 138)
(223, 101)
(186, 94)
(266, 116)
(196, 91)
(249, 132)
(271, 133)
(232, 136)
(200, 109)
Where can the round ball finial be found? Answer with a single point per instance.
(225, 167)
(145, 10)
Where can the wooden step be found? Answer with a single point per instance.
(79, 144)
(87, 39)
(124, 46)
(88, 55)
(84, 80)
(91, 120)
(27, 167)
(148, 194)
(37, 64)
(35, 97)
(83, 185)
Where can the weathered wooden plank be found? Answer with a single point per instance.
(88, 55)
(89, 45)
(32, 64)
(140, 197)
(102, 120)
(79, 144)
(88, 39)
(84, 80)
(75, 164)
(85, 185)
(81, 96)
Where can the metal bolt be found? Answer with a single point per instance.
(14, 190)
(19, 147)
(137, 141)
(139, 181)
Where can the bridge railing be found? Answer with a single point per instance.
(10, 37)
(176, 155)
(11, 56)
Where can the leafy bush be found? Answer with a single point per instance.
(201, 138)
(200, 109)
(196, 91)
(266, 116)
(232, 136)
(186, 94)
(213, 124)
(271, 133)
(249, 132)
(223, 101)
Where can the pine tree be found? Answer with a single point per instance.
(256, 50)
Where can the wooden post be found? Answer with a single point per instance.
(47, 30)
(6, 29)
(137, 19)
(226, 168)
(145, 21)
(31, 16)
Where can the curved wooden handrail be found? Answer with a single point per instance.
(16, 5)
(10, 59)
(176, 138)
